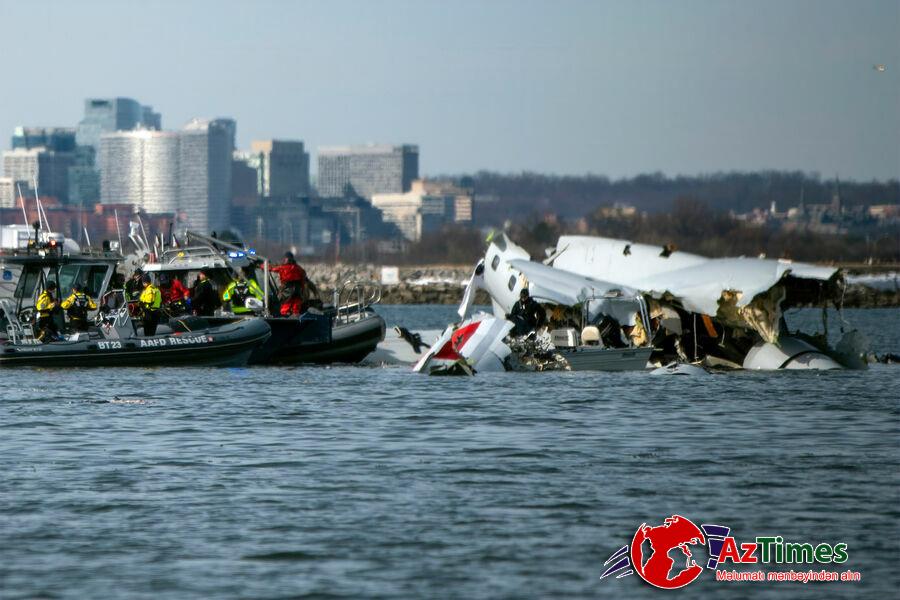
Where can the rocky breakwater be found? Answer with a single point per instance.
(434, 284)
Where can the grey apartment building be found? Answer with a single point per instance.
(370, 169)
(50, 169)
(282, 167)
(42, 154)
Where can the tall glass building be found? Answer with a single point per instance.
(205, 181)
(187, 172)
(140, 168)
(106, 115)
(102, 116)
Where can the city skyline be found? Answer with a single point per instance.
(613, 89)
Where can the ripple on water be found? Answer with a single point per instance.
(348, 482)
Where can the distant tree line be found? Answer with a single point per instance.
(694, 226)
(515, 197)
(691, 225)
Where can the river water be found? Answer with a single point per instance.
(357, 482)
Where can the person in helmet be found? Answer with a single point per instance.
(77, 306)
(293, 284)
(239, 291)
(46, 306)
(151, 301)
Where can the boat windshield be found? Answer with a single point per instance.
(28, 281)
(90, 276)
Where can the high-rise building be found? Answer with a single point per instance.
(140, 168)
(283, 168)
(84, 178)
(7, 192)
(106, 115)
(101, 116)
(57, 139)
(205, 181)
(48, 168)
(185, 172)
(367, 170)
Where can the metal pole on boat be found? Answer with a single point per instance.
(22, 202)
(266, 286)
(119, 231)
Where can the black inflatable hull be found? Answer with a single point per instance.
(294, 343)
(228, 345)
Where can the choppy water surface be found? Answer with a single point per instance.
(365, 482)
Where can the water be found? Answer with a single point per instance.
(365, 482)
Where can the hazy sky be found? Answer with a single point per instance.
(614, 88)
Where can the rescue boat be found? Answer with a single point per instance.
(117, 341)
(345, 330)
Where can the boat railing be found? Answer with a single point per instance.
(353, 297)
(18, 332)
(114, 314)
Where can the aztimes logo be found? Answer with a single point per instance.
(668, 556)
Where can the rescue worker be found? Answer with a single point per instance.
(77, 306)
(134, 286)
(204, 299)
(526, 314)
(151, 301)
(238, 291)
(112, 299)
(46, 306)
(293, 285)
(174, 294)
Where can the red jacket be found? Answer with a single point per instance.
(290, 273)
(175, 292)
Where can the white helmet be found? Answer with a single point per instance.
(254, 304)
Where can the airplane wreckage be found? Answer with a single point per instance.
(615, 305)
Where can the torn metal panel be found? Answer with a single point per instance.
(476, 282)
(477, 342)
(549, 284)
(737, 290)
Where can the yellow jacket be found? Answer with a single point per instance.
(239, 291)
(80, 297)
(151, 297)
(45, 303)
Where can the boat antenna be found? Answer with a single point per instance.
(22, 202)
(87, 237)
(37, 201)
(143, 232)
(118, 231)
(44, 212)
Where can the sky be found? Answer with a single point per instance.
(565, 86)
